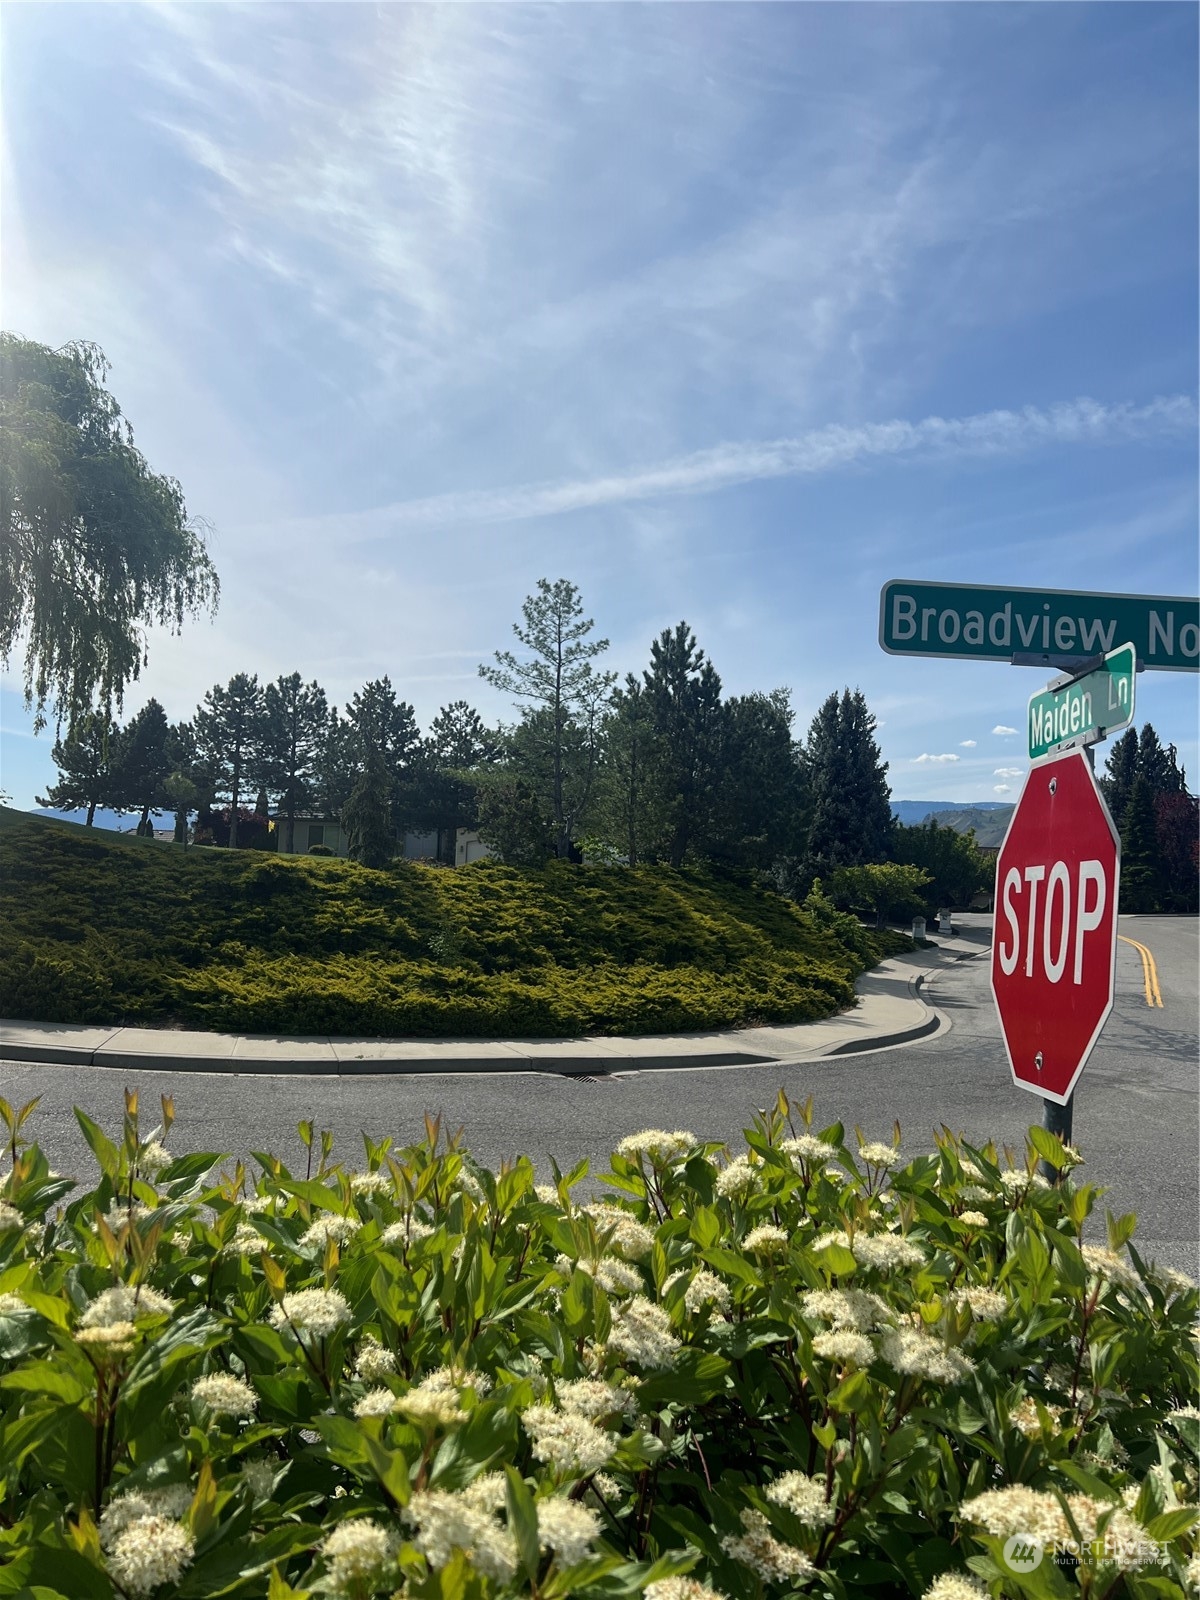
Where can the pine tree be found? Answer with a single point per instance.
(629, 807)
(1121, 769)
(851, 817)
(684, 696)
(229, 736)
(85, 759)
(1142, 883)
(367, 814)
(295, 715)
(142, 766)
(557, 751)
(757, 799)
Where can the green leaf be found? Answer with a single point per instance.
(44, 1377)
(1170, 1524)
(391, 1468)
(1049, 1146)
(105, 1151)
(278, 1588)
(522, 1521)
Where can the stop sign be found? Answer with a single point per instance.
(1054, 949)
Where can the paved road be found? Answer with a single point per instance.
(1136, 1111)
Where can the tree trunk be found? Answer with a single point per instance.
(291, 830)
(143, 827)
(233, 810)
(91, 813)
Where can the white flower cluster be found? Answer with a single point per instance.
(152, 1158)
(628, 1237)
(319, 1312)
(759, 1549)
(594, 1399)
(738, 1179)
(704, 1289)
(972, 1219)
(886, 1251)
(259, 1478)
(435, 1402)
(912, 1352)
(567, 1441)
(803, 1496)
(847, 1308)
(373, 1361)
(464, 1520)
(808, 1149)
(246, 1241)
(11, 1220)
(125, 1303)
(375, 1403)
(847, 1348)
(145, 1543)
(406, 1232)
(371, 1183)
(548, 1194)
(681, 1589)
(1024, 1418)
(470, 1185)
(224, 1395)
(612, 1274)
(12, 1304)
(766, 1240)
(883, 1156)
(641, 1333)
(955, 1586)
(330, 1226)
(660, 1147)
(985, 1305)
(1106, 1264)
(1017, 1181)
(357, 1553)
(566, 1528)
(1039, 1515)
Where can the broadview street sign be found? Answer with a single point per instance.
(1029, 626)
(1087, 709)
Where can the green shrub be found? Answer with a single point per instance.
(99, 928)
(814, 1366)
(321, 850)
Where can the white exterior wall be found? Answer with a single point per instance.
(468, 847)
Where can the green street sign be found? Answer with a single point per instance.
(1085, 710)
(1036, 626)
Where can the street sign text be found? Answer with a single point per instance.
(984, 624)
(1087, 710)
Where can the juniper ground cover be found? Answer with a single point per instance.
(814, 1365)
(101, 928)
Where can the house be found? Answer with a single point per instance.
(325, 830)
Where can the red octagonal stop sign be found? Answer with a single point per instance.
(1054, 949)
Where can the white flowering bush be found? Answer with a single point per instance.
(813, 1366)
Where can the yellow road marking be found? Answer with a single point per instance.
(1149, 971)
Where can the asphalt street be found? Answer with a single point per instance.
(1137, 1110)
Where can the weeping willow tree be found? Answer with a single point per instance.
(94, 546)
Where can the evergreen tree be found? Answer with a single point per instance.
(684, 696)
(229, 736)
(460, 740)
(367, 814)
(385, 725)
(142, 766)
(438, 791)
(563, 703)
(295, 715)
(85, 760)
(1177, 829)
(1121, 769)
(630, 809)
(851, 816)
(1142, 883)
(336, 765)
(757, 797)
(189, 783)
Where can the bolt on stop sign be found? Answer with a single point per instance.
(1054, 948)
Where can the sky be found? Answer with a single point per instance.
(728, 313)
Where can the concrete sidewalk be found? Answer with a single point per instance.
(890, 1011)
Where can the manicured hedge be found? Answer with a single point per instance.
(814, 1366)
(96, 927)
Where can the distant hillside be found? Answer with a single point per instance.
(111, 820)
(989, 821)
(911, 811)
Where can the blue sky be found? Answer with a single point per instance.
(421, 304)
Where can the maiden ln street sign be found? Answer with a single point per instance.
(984, 624)
(1085, 710)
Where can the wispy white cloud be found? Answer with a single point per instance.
(1008, 772)
(1002, 730)
(1001, 788)
(824, 450)
(967, 744)
(949, 756)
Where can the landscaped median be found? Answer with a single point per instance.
(102, 928)
(813, 1365)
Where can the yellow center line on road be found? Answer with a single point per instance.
(1149, 971)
